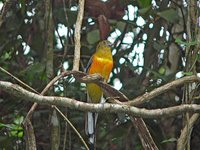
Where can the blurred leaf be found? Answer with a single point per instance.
(188, 73)
(179, 41)
(198, 57)
(34, 71)
(93, 36)
(18, 120)
(20, 134)
(169, 15)
(161, 70)
(5, 125)
(6, 56)
(14, 133)
(143, 11)
(144, 3)
(104, 27)
(121, 25)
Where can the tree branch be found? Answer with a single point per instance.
(182, 141)
(160, 90)
(30, 136)
(6, 7)
(77, 35)
(20, 92)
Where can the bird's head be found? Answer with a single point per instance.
(104, 45)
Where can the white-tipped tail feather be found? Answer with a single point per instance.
(91, 120)
(90, 125)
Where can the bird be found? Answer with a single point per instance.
(101, 62)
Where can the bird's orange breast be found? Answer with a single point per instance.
(104, 67)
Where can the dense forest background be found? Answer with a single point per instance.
(154, 42)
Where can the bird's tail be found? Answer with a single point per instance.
(90, 128)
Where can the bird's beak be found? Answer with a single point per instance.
(110, 44)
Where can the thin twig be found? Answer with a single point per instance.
(18, 80)
(65, 134)
(67, 120)
(67, 21)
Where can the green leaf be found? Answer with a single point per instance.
(169, 15)
(179, 41)
(5, 126)
(93, 36)
(162, 70)
(11, 126)
(20, 134)
(18, 120)
(14, 133)
(188, 73)
(7, 56)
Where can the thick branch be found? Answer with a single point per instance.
(18, 91)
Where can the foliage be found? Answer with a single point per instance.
(12, 132)
(150, 47)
